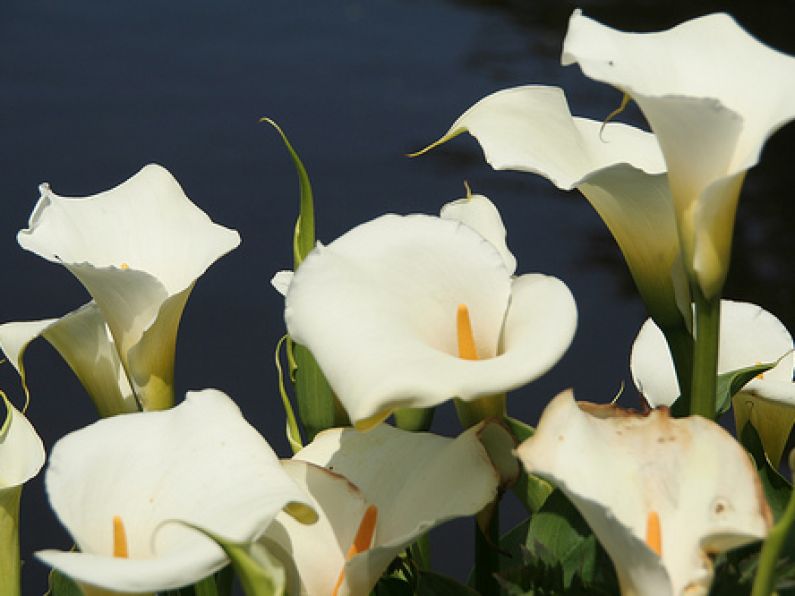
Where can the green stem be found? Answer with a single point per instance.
(680, 343)
(705, 355)
(414, 419)
(9, 541)
(472, 412)
(487, 556)
(765, 574)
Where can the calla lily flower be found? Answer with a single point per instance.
(376, 493)
(713, 95)
(406, 312)
(619, 169)
(84, 341)
(21, 458)
(660, 494)
(138, 250)
(749, 335)
(120, 485)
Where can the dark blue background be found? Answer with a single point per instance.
(92, 90)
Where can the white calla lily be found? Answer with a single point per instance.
(138, 249)
(21, 458)
(376, 493)
(713, 95)
(84, 341)
(380, 308)
(661, 494)
(118, 484)
(749, 335)
(618, 168)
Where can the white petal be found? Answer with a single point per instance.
(617, 467)
(21, 449)
(618, 168)
(199, 462)
(713, 95)
(281, 281)
(416, 480)
(138, 249)
(480, 214)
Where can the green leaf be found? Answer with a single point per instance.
(392, 586)
(60, 585)
(304, 240)
(434, 584)
(291, 424)
(519, 429)
(777, 489)
(531, 490)
(730, 383)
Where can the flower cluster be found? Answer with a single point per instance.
(404, 313)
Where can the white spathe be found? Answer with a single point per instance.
(199, 462)
(416, 480)
(377, 309)
(618, 168)
(713, 95)
(138, 249)
(749, 335)
(84, 341)
(620, 468)
(21, 450)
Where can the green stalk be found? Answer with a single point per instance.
(487, 555)
(705, 355)
(414, 419)
(680, 342)
(9, 541)
(472, 412)
(765, 573)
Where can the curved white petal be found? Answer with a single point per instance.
(377, 308)
(748, 335)
(21, 449)
(618, 468)
(138, 249)
(713, 95)
(199, 462)
(618, 168)
(480, 214)
(416, 480)
(83, 340)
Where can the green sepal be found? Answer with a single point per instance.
(259, 572)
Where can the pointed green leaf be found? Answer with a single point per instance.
(777, 489)
(731, 382)
(434, 584)
(60, 585)
(291, 424)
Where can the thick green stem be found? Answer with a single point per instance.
(705, 355)
(414, 419)
(9, 541)
(472, 412)
(765, 574)
(680, 343)
(487, 555)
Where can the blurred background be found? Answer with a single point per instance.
(90, 91)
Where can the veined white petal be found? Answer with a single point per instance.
(416, 481)
(138, 249)
(480, 214)
(377, 308)
(618, 468)
(199, 462)
(83, 340)
(21, 449)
